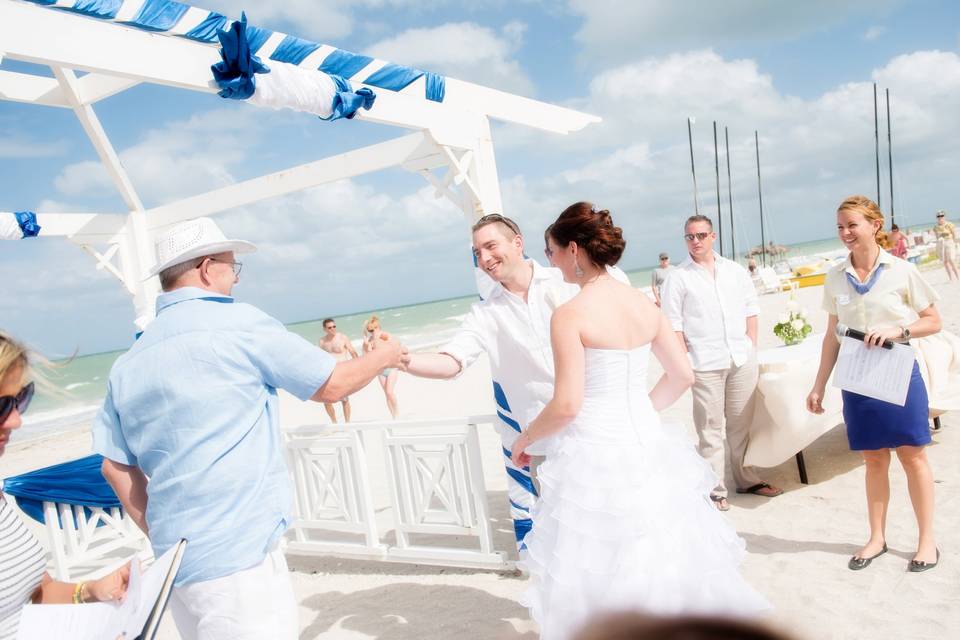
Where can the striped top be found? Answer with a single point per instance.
(22, 567)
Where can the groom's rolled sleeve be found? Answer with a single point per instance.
(467, 345)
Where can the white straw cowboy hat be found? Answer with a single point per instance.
(194, 239)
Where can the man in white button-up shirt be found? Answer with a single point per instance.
(712, 305)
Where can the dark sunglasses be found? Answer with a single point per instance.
(20, 401)
(700, 235)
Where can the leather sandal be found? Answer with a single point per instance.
(762, 489)
(721, 503)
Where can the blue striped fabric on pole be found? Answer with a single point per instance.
(159, 15)
(173, 18)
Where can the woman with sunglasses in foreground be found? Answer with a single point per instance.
(23, 577)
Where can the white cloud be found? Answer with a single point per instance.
(614, 30)
(873, 33)
(813, 152)
(463, 50)
(18, 146)
(180, 159)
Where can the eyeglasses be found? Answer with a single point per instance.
(236, 266)
(496, 217)
(21, 401)
(700, 235)
(940, 215)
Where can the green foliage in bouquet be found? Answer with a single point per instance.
(793, 326)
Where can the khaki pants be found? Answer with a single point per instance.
(726, 393)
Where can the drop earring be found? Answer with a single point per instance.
(577, 271)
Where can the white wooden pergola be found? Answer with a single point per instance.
(448, 142)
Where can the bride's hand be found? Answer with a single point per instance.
(519, 456)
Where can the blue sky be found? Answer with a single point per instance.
(800, 73)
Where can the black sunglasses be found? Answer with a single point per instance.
(700, 235)
(20, 401)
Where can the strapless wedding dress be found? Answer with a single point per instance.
(624, 521)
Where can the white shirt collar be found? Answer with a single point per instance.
(539, 273)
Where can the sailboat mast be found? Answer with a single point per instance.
(693, 169)
(733, 235)
(876, 139)
(890, 159)
(763, 239)
(716, 166)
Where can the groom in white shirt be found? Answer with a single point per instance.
(712, 305)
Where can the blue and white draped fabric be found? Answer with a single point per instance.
(241, 75)
(167, 17)
(19, 225)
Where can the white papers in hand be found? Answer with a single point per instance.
(102, 620)
(879, 373)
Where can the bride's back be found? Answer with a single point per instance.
(613, 315)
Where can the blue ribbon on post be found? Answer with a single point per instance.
(28, 223)
(235, 74)
(347, 101)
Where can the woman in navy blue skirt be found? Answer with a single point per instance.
(887, 299)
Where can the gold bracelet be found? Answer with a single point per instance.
(78, 593)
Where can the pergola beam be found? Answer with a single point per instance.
(94, 130)
(410, 148)
(31, 89)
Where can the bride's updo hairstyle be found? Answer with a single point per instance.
(592, 230)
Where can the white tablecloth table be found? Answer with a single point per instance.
(782, 427)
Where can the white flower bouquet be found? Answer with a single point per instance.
(792, 327)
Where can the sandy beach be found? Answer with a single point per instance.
(798, 544)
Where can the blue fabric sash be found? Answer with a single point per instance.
(78, 482)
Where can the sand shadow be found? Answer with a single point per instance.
(762, 544)
(403, 611)
(827, 457)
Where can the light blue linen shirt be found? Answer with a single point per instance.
(193, 404)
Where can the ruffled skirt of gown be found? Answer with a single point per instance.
(628, 525)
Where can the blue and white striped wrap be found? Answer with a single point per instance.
(243, 76)
(18, 225)
(166, 17)
(520, 487)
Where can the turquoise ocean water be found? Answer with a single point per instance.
(82, 381)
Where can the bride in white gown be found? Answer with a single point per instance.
(624, 521)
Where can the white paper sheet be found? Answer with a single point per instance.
(100, 620)
(879, 373)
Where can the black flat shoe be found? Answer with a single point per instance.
(857, 563)
(916, 566)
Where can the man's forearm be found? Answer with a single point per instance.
(130, 485)
(752, 329)
(440, 366)
(349, 376)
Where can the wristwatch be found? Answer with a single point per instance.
(904, 333)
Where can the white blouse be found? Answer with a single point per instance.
(896, 298)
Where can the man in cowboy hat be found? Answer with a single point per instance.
(189, 431)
